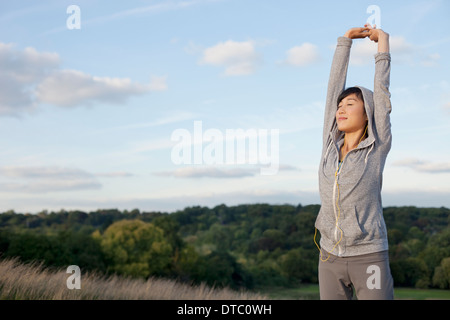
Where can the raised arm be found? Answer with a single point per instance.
(338, 75)
(379, 36)
(381, 94)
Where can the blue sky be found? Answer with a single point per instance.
(89, 116)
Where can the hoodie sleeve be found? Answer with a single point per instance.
(382, 98)
(336, 82)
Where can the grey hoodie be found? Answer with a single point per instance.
(351, 199)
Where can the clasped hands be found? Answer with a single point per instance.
(372, 33)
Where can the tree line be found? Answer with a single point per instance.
(242, 246)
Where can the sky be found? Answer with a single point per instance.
(158, 105)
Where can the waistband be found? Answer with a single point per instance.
(368, 257)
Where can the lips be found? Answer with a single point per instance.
(342, 118)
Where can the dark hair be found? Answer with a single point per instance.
(348, 92)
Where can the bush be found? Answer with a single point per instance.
(135, 248)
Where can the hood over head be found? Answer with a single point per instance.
(369, 107)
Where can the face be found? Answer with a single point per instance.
(351, 115)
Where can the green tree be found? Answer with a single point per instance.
(136, 248)
(441, 278)
(410, 272)
(186, 263)
(220, 269)
(297, 266)
(31, 246)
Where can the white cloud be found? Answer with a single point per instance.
(216, 172)
(27, 65)
(158, 83)
(447, 106)
(19, 71)
(71, 87)
(423, 166)
(302, 55)
(42, 179)
(29, 78)
(192, 48)
(117, 174)
(288, 167)
(48, 186)
(238, 58)
(431, 60)
(209, 172)
(362, 52)
(402, 52)
(399, 45)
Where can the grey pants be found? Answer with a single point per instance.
(369, 275)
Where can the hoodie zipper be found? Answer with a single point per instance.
(336, 215)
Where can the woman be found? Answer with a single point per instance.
(356, 141)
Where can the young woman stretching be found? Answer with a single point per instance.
(356, 141)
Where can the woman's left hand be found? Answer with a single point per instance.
(375, 34)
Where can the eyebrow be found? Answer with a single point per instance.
(348, 99)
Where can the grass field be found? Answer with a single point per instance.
(311, 292)
(20, 281)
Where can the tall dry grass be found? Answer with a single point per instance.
(34, 282)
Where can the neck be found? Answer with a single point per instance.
(353, 139)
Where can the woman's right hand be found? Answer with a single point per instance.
(357, 33)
